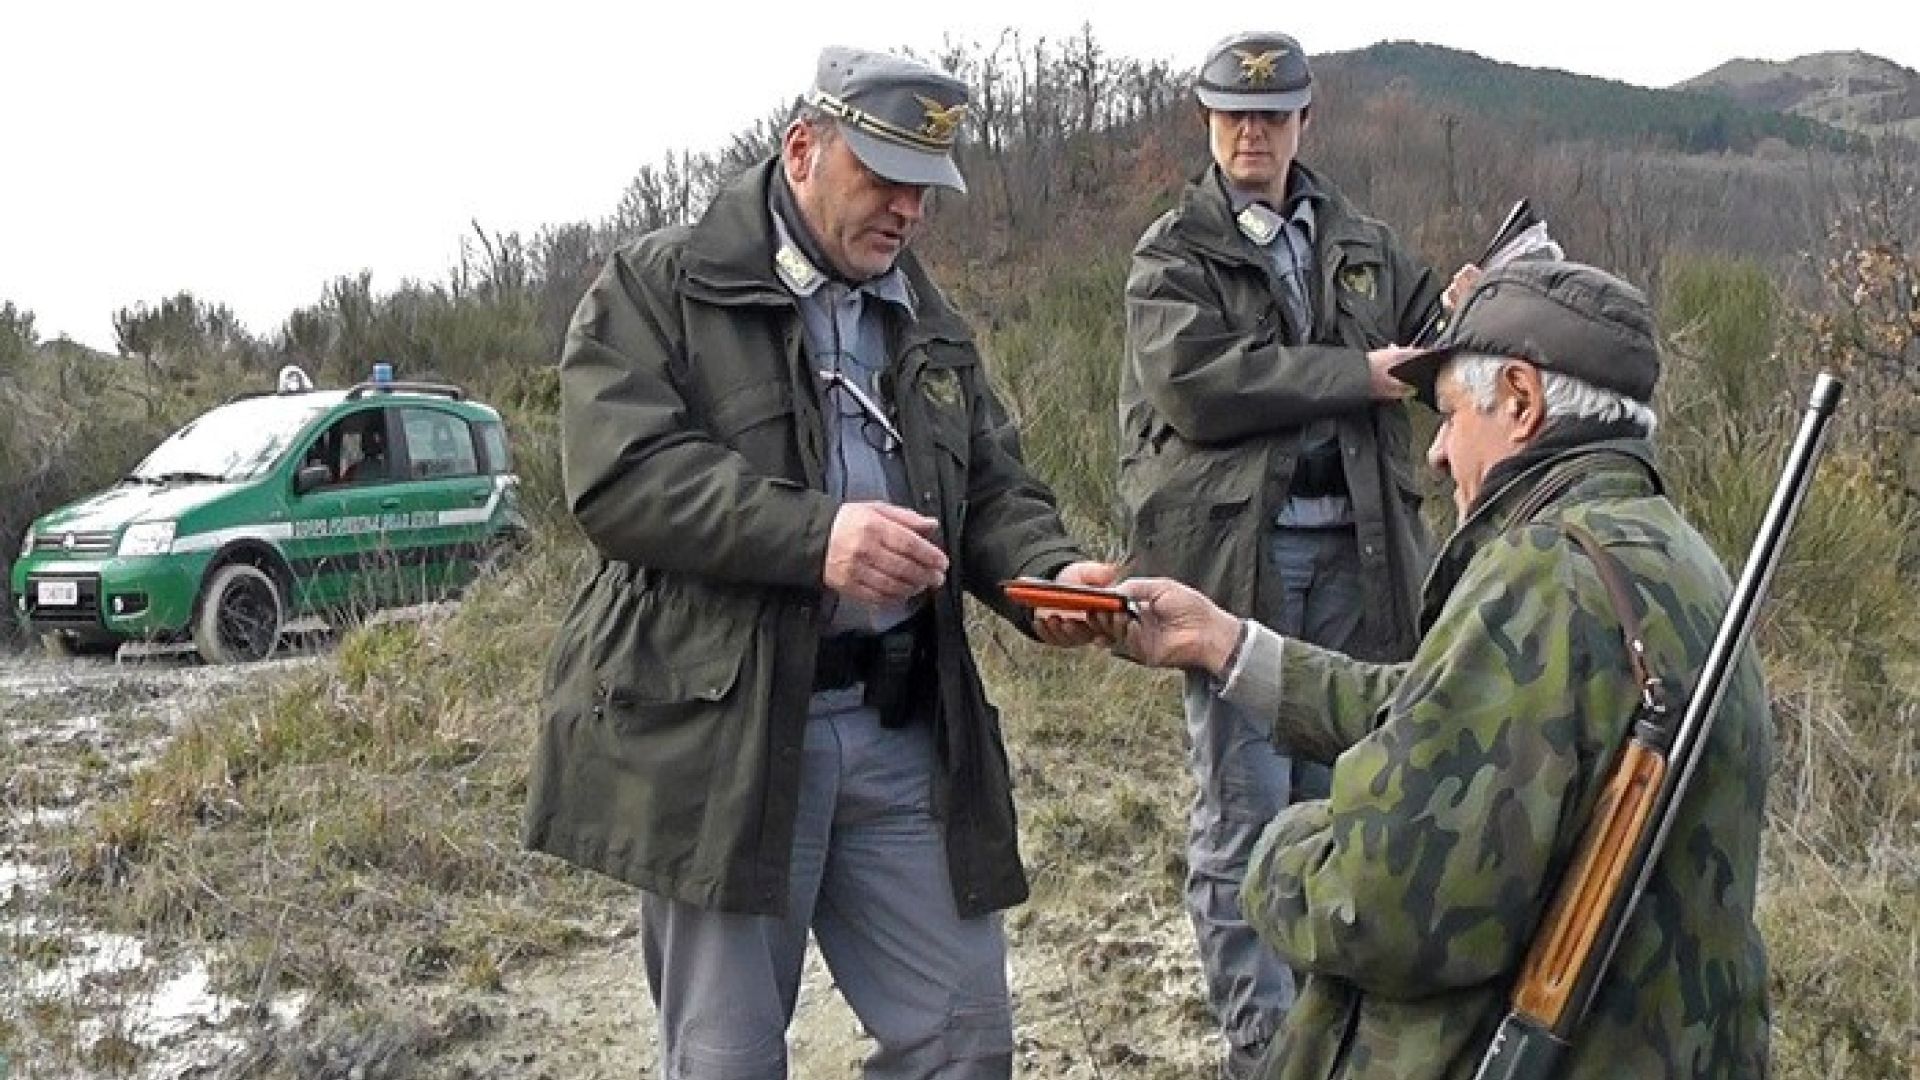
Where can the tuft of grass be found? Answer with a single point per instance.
(337, 808)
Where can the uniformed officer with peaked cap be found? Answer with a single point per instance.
(1267, 459)
(762, 710)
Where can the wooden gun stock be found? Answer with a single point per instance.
(1564, 945)
(1621, 844)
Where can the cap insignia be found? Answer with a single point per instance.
(941, 120)
(1258, 67)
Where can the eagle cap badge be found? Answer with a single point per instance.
(1258, 68)
(941, 120)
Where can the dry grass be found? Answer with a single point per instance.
(349, 831)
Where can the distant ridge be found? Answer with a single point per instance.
(1856, 91)
(1578, 106)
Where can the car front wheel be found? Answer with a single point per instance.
(240, 616)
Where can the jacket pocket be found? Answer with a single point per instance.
(665, 695)
(665, 732)
(1178, 537)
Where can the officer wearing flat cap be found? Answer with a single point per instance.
(1266, 458)
(762, 709)
(1463, 777)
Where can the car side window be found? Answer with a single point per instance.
(493, 439)
(438, 445)
(363, 451)
(354, 449)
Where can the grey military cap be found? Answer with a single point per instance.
(1256, 71)
(1559, 316)
(899, 117)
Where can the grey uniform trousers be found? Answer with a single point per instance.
(870, 880)
(1315, 594)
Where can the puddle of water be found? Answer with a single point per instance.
(43, 817)
(112, 984)
(18, 874)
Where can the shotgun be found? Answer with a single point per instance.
(1519, 219)
(1622, 842)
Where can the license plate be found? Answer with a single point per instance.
(59, 593)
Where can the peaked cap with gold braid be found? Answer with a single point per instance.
(899, 117)
(1256, 71)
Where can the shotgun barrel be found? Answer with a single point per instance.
(1519, 219)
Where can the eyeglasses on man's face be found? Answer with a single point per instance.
(854, 402)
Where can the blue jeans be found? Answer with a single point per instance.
(1313, 590)
(870, 881)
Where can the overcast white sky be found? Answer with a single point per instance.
(251, 151)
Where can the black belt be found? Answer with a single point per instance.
(1319, 475)
(850, 658)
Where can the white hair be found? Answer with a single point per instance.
(1567, 397)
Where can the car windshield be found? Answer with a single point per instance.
(233, 442)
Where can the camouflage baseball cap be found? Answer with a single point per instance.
(1559, 316)
(898, 116)
(1256, 71)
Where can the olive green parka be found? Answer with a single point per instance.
(693, 443)
(1213, 401)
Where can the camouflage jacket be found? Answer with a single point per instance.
(1463, 779)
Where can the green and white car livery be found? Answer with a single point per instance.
(273, 508)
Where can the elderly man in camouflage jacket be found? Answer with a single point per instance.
(1462, 778)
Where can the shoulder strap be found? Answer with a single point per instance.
(1613, 575)
(1620, 597)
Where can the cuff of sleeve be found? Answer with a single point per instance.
(1253, 679)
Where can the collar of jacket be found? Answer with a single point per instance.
(1206, 214)
(729, 261)
(1613, 469)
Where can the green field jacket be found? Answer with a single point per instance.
(693, 444)
(1213, 401)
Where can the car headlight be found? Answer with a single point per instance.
(147, 538)
(26, 545)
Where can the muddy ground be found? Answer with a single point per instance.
(75, 729)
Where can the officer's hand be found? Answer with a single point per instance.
(1071, 629)
(1464, 279)
(1385, 386)
(1177, 627)
(879, 553)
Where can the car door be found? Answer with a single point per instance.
(448, 498)
(345, 541)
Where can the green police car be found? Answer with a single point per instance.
(277, 507)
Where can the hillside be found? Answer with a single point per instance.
(1856, 91)
(1568, 106)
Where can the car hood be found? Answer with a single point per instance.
(124, 504)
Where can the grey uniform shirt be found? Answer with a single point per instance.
(1287, 240)
(845, 328)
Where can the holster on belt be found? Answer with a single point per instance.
(902, 660)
